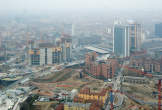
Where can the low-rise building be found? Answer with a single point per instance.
(87, 96)
(136, 80)
(147, 64)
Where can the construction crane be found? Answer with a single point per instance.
(149, 75)
(139, 72)
(141, 107)
(111, 100)
(131, 69)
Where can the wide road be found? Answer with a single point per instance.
(117, 85)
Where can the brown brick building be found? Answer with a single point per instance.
(100, 69)
(148, 64)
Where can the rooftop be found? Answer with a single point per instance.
(96, 49)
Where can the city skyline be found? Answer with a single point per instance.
(80, 55)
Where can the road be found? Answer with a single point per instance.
(20, 100)
(117, 85)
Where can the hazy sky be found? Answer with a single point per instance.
(80, 4)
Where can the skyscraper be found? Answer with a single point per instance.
(158, 30)
(135, 34)
(121, 41)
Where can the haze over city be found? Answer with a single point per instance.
(80, 54)
(80, 5)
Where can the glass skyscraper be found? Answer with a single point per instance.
(121, 41)
(158, 30)
(135, 32)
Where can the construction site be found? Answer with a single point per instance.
(80, 55)
(127, 87)
(67, 89)
(66, 85)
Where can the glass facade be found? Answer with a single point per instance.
(158, 30)
(35, 59)
(120, 40)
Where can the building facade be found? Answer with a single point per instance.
(86, 96)
(100, 69)
(147, 64)
(158, 30)
(48, 54)
(121, 37)
(127, 39)
(34, 56)
(135, 36)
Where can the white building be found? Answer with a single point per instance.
(49, 54)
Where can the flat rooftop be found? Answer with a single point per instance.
(96, 49)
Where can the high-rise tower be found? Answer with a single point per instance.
(158, 30)
(135, 34)
(121, 41)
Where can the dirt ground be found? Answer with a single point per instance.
(67, 79)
